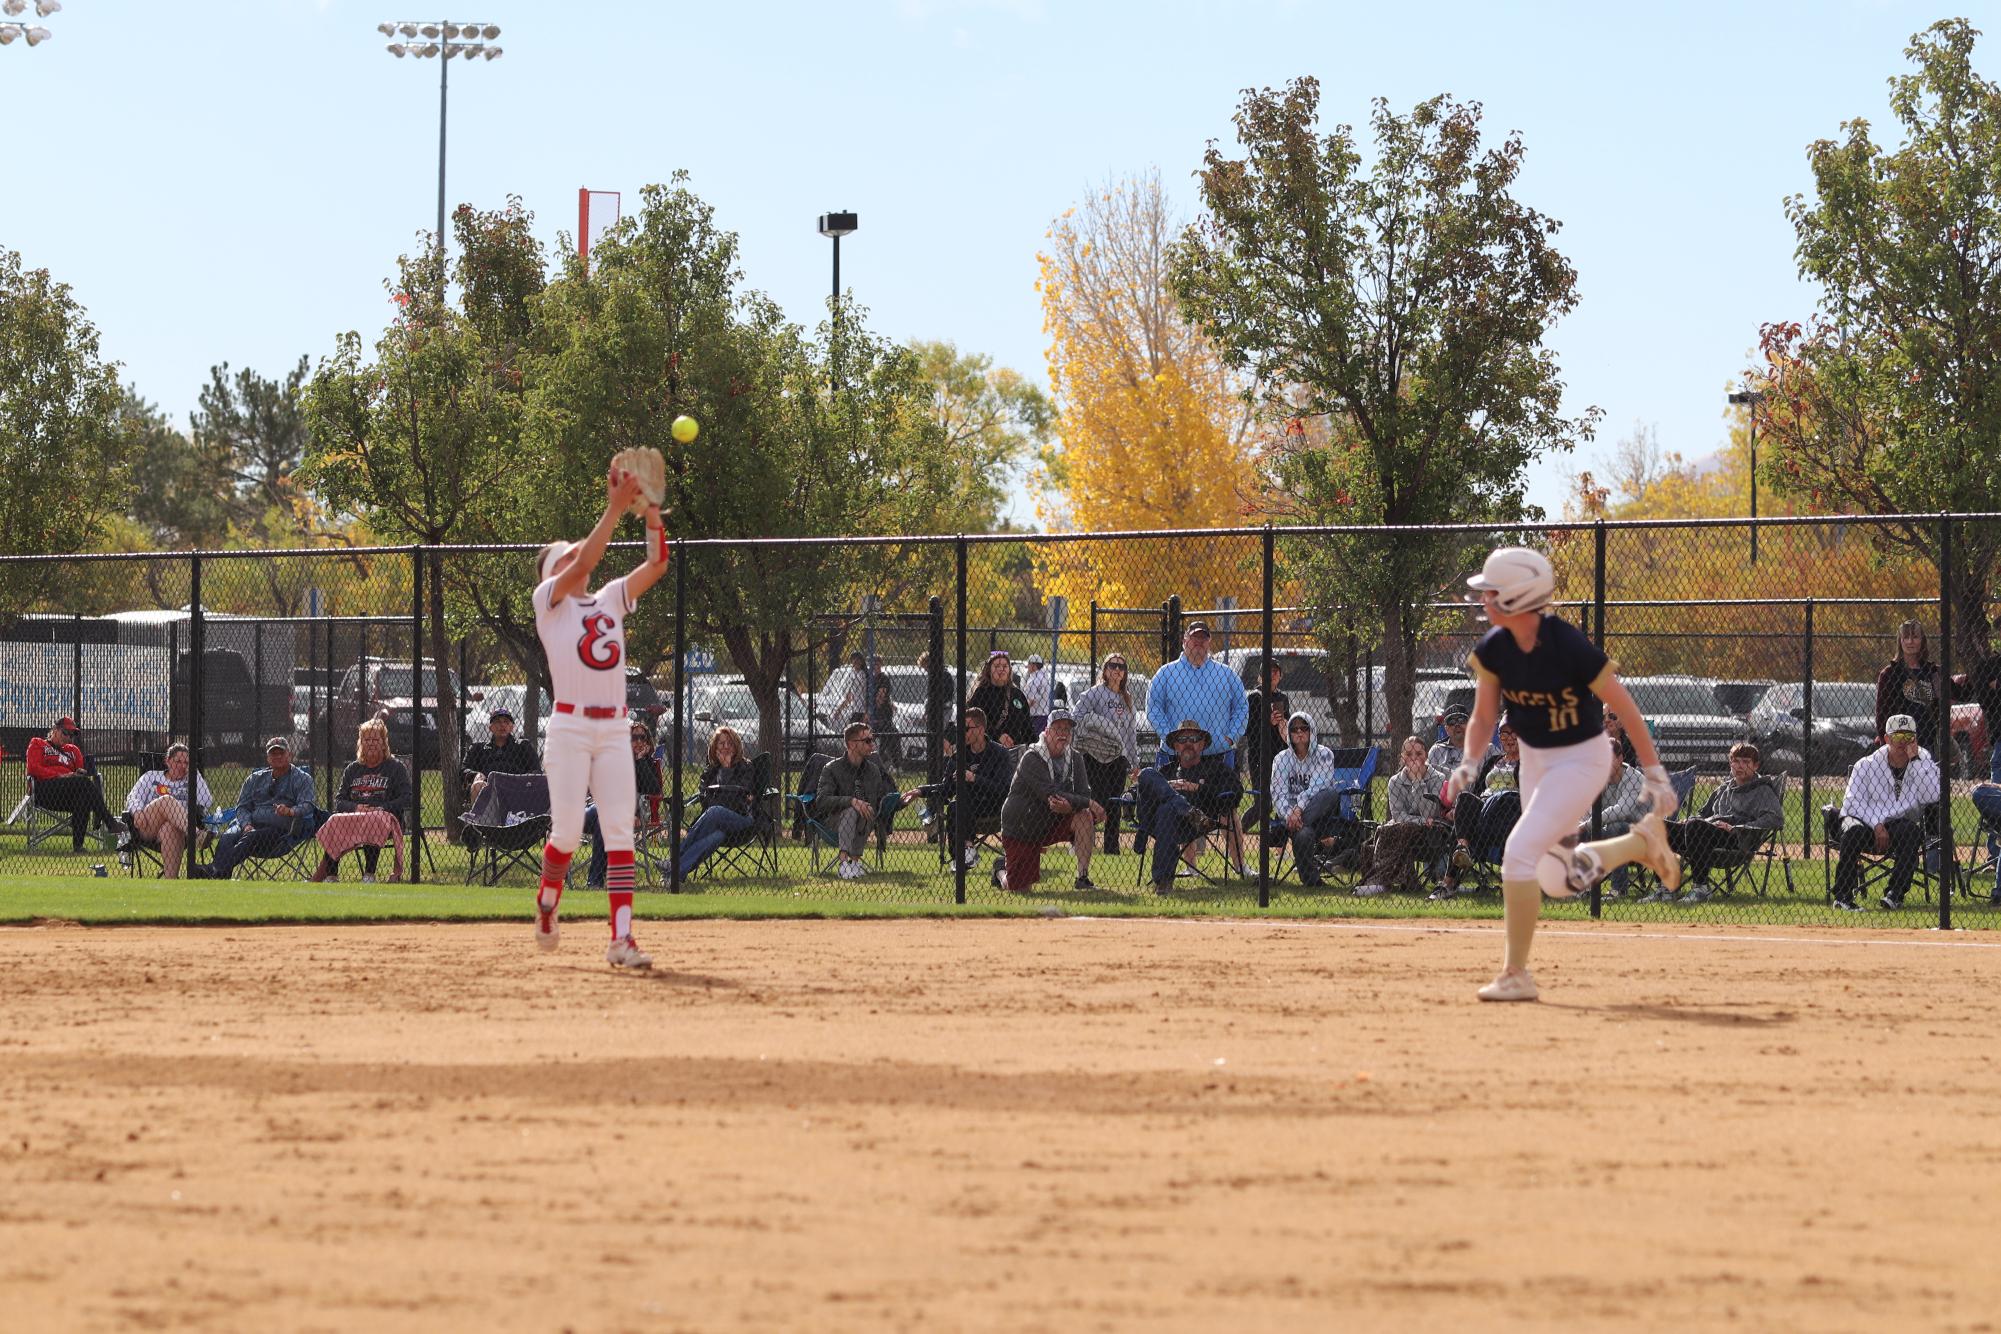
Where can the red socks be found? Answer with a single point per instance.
(618, 889)
(555, 865)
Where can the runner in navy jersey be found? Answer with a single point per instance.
(1554, 684)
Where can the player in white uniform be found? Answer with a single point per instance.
(589, 749)
(1555, 684)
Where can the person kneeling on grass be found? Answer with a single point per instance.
(1047, 803)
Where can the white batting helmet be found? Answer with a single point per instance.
(1520, 578)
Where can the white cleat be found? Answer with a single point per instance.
(1660, 858)
(1510, 987)
(625, 953)
(548, 930)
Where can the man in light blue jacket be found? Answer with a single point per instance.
(1195, 688)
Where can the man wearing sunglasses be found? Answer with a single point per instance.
(856, 796)
(1882, 812)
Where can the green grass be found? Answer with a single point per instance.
(52, 883)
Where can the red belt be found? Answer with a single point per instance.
(589, 710)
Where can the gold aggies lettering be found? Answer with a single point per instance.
(1562, 706)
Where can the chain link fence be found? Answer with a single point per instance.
(1784, 636)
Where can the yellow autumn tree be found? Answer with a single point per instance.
(1151, 431)
(1833, 562)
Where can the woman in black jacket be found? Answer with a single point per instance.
(1911, 683)
(1001, 700)
(729, 799)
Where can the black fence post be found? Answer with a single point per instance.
(673, 804)
(934, 702)
(1598, 604)
(257, 681)
(1809, 831)
(1094, 637)
(325, 750)
(76, 670)
(1268, 809)
(961, 793)
(416, 713)
(196, 751)
(1948, 864)
(1170, 630)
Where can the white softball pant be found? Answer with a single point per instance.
(1558, 786)
(589, 756)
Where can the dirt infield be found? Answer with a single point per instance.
(1056, 1124)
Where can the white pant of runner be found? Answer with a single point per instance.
(1559, 783)
(589, 756)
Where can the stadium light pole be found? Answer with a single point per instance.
(1751, 398)
(837, 225)
(35, 33)
(444, 42)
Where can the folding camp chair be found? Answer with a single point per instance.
(754, 851)
(42, 823)
(1749, 859)
(1354, 772)
(818, 834)
(1213, 840)
(509, 825)
(1982, 863)
(1877, 866)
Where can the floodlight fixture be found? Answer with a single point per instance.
(13, 6)
(44, 8)
(444, 52)
(490, 31)
(398, 50)
(491, 53)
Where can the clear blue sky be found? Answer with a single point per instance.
(233, 179)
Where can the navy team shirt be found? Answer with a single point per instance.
(1547, 693)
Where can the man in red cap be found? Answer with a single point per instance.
(63, 782)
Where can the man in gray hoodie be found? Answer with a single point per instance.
(1749, 800)
(1049, 802)
(1303, 799)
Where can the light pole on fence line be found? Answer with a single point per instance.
(1751, 398)
(444, 52)
(35, 33)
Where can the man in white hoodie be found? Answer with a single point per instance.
(1883, 812)
(1303, 799)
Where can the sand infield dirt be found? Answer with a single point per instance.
(1065, 1125)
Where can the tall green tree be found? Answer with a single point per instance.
(186, 501)
(1389, 316)
(421, 436)
(62, 444)
(804, 434)
(1887, 399)
(993, 419)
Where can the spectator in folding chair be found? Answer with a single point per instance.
(856, 797)
(1047, 804)
(1483, 819)
(374, 797)
(1620, 806)
(1882, 812)
(1108, 736)
(1182, 800)
(1747, 801)
(1035, 683)
(65, 781)
(157, 810)
(274, 811)
(646, 785)
(1302, 795)
(1987, 800)
(502, 752)
(1000, 699)
(988, 773)
(729, 799)
(1415, 831)
(1444, 756)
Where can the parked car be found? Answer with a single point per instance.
(1844, 725)
(642, 698)
(384, 686)
(230, 713)
(718, 701)
(483, 700)
(1689, 727)
(1738, 698)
